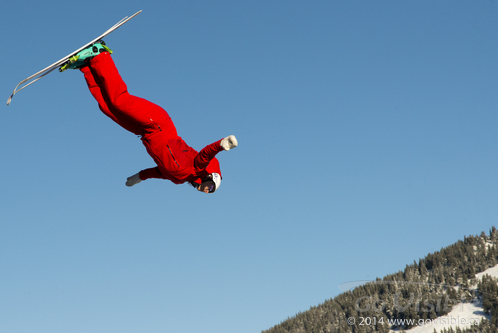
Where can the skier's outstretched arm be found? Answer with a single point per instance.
(143, 175)
(209, 152)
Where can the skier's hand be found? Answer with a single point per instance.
(229, 142)
(133, 180)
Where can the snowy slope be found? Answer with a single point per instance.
(462, 315)
(493, 271)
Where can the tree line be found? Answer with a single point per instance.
(424, 290)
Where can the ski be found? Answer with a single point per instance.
(35, 77)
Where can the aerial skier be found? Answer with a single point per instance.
(176, 161)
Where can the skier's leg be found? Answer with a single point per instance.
(115, 93)
(118, 117)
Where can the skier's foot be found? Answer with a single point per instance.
(83, 57)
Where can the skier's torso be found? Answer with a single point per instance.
(174, 158)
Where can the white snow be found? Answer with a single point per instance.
(462, 315)
(493, 272)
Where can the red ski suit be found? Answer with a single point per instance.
(175, 160)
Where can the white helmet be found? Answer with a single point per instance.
(216, 180)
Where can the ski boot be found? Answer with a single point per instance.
(82, 58)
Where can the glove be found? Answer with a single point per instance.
(229, 142)
(133, 180)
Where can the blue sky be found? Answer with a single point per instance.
(367, 139)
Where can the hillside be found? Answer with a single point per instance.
(451, 290)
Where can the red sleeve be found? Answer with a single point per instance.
(151, 173)
(207, 153)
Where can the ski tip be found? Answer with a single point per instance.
(10, 99)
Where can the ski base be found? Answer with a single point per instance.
(62, 62)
